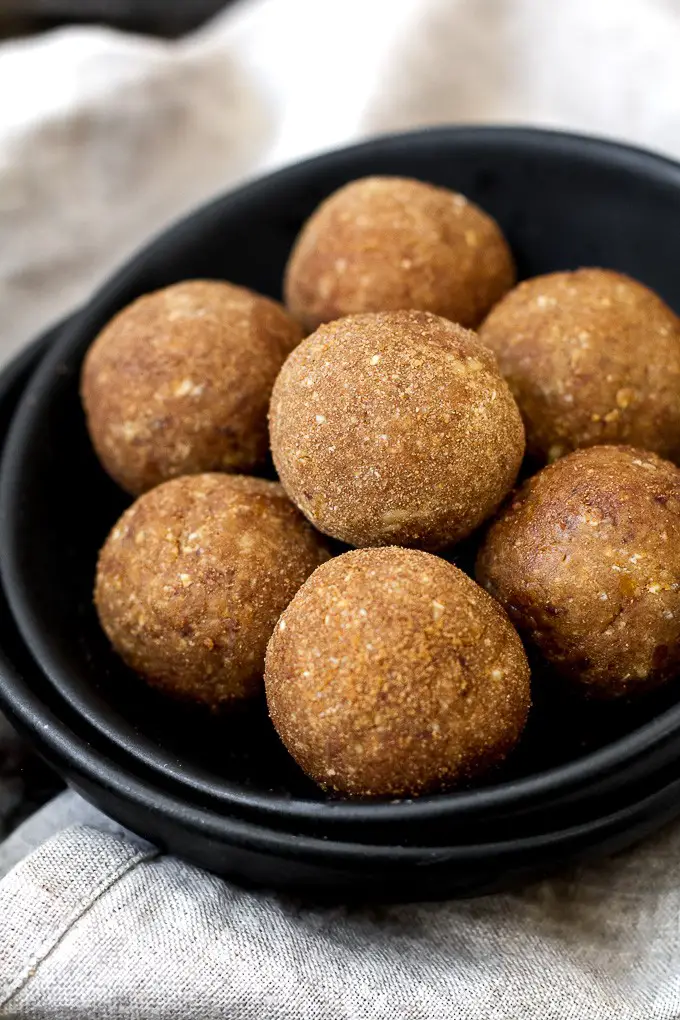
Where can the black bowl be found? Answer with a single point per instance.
(144, 801)
(563, 201)
(140, 798)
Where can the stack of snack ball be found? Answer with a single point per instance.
(398, 430)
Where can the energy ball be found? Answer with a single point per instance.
(592, 357)
(586, 560)
(384, 243)
(193, 577)
(395, 428)
(392, 674)
(179, 382)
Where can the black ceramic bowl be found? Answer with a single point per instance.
(563, 201)
(160, 810)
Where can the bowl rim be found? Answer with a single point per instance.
(511, 795)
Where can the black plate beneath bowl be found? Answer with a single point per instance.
(563, 201)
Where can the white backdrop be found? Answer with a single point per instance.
(105, 137)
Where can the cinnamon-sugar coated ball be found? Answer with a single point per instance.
(383, 243)
(179, 382)
(193, 577)
(391, 673)
(592, 357)
(586, 560)
(395, 428)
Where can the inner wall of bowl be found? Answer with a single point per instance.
(562, 202)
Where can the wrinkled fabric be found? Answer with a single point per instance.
(98, 925)
(104, 138)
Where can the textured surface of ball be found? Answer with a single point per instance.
(395, 428)
(193, 577)
(391, 673)
(592, 357)
(586, 560)
(179, 382)
(384, 243)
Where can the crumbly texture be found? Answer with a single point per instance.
(391, 673)
(592, 357)
(586, 560)
(384, 243)
(193, 577)
(179, 382)
(395, 428)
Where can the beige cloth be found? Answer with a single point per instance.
(104, 137)
(102, 927)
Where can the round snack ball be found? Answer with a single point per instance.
(391, 673)
(586, 560)
(385, 243)
(592, 357)
(193, 577)
(395, 428)
(179, 382)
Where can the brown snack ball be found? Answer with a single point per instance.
(591, 357)
(391, 673)
(383, 243)
(179, 382)
(193, 577)
(586, 560)
(395, 428)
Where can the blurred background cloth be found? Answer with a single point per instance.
(104, 137)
